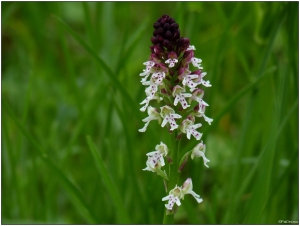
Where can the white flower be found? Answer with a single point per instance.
(174, 197)
(179, 192)
(196, 62)
(189, 128)
(180, 96)
(151, 94)
(187, 188)
(201, 111)
(187, 80)
(199, 151)
(198, 96)
(153, 115)
(171, 201)
(191, 47)
(205, 83)
(171, 62)
(161, 151)
(151, 90)
(158, 77)
(156, 160)
(153, 163)
(147, 71)
(162, 148)
(169, 115)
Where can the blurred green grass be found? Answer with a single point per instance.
(71, 150)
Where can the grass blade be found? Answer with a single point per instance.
(231, 103)
(130, 45)
(111, 188)
(73, 191)
(269, 145)
(111, 75)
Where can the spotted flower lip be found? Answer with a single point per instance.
(199, 151)
(189, 128)
(188, 81)
(161, 151)
(187, 188)
(169, 115)
(179, 192)
(171, 201)
(171, 62)
(178, 93)
(147, 71)
(150, 91)
(198, 95)
(155, 158)
(153, 163)
(174, 197)
(201, 112)
(196, 62)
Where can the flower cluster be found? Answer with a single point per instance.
(172, 78)
(178, 193)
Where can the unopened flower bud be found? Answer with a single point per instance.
(179, 136)
(174, 26)
(156, 49)
(171, 72)
(199, 73)
(160, 39)
(191, 117)
(156, 25)
(188, 55)
(183, 162)
(168, 35)
(167, 44)
(170, 161)
(176, 34)
(172, 55)
(154, 58)
(182, 165)
(167, 26)
(163, 91)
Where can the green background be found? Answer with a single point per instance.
(71, 150)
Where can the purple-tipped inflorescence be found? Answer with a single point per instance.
(173, 78)
(167, 35)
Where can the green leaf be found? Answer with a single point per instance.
(163, 174)
(183, 161)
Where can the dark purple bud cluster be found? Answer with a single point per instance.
(166, 36)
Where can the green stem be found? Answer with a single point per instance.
(168, 219)
(173, 176)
